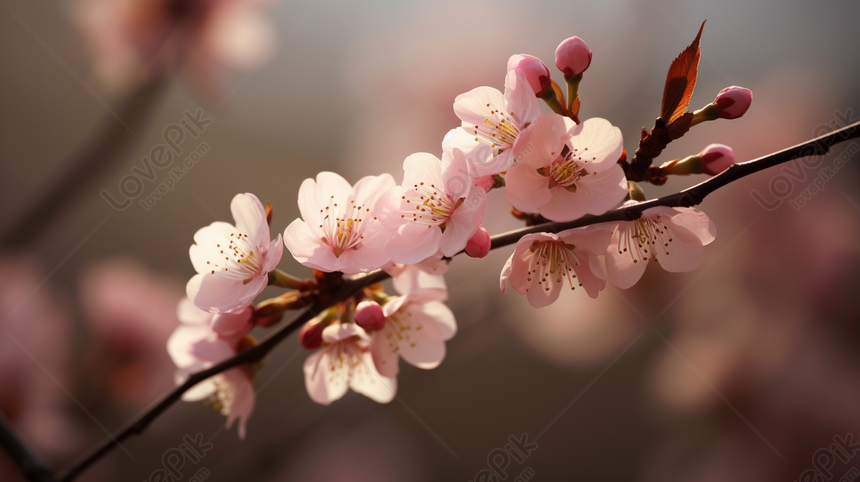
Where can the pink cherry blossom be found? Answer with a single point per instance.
(344, 362)
(416, 328)
(543, 263)
(733, 102)
(233, 262)
(339, 230)
(564, 170)
(492, 122)
(674, 237)
(716, 158)
(424, 217)
(195, 346)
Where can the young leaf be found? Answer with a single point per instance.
(681, 80)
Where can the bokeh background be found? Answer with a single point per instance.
(737, 371)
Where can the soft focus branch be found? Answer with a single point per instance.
(111, 140)
(32, 467)
(350, 287)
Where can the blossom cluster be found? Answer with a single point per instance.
(552, 167)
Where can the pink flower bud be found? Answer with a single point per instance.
(479, 244)
(310, 336)
(716, 158)
(534, 70)
(573, 56)
(369, 315)
(733, 102)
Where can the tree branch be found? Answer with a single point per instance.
(30, 465)
(351, 286)
(110, 141)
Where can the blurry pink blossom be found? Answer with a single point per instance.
(428, 273)
(130, 311)
(565, 170)
(339, 230)
(35, 333)
(233, 262)
(129, 38)
(344, 362)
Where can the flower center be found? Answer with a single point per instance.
(499, 130)
(643, 235)
(553, 261)
(240, 260)
(432, 206)
(343, 227)
(567, 169)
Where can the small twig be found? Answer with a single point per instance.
(110, 141)
(30, 465)
(346, 289)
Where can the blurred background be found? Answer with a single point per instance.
(740, 370)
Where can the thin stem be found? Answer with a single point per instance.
(30, 465)
(350, 286)
(109, 142)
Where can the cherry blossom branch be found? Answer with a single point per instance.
(136, 426)
(346, 288)
(30, 465)
(110, 140)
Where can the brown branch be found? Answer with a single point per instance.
(32, 468)
(349, 287)
(111, 140)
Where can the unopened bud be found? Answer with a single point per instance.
(572, 56)
(534, 70)
(369, 315)
(733, 102)
(713, 160)
(479, 244)
(716, 158)
(310, 336)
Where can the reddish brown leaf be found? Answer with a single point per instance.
(574, 108)
(681, 125)
(681, 80)
(268, 213)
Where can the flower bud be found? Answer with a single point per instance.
(310, 336)
(479, 244)
(716, 158)
(369, 315)
(573, 56)
(733, 102)
(534, 70)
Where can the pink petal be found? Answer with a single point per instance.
(326, 380)
(526, 190)
(463, 223)
(250, 216)
(599, 143)
(520, 98)
(472, 107)
(413, 243)
(623, 269)
(218, 294)
(384, 351)
(367, 381)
